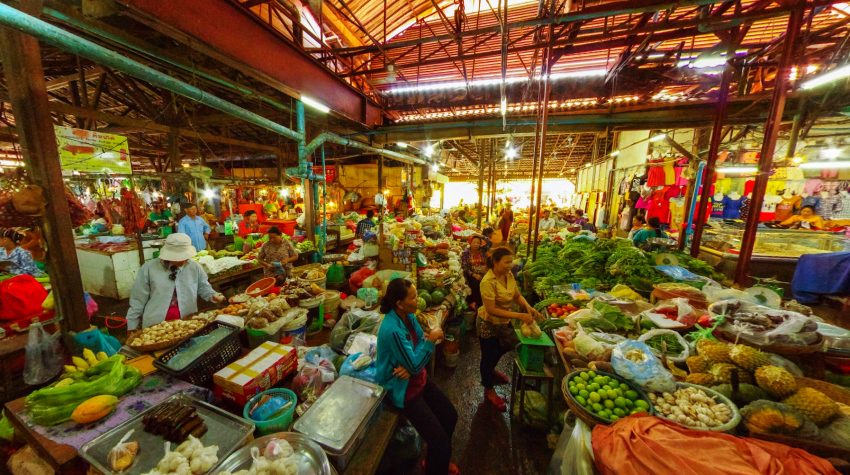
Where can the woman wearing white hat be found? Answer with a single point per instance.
(167, 288)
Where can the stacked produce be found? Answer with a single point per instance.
(166, 333)
(190, 458)
(691, 407)
(93, 389)
(605, 396)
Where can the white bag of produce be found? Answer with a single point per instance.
(685, 313)
(764, 326)
(578, 459)
(634, 361)
(677, 353)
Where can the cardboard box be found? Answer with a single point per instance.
(261, 369)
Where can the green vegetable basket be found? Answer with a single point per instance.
(278, 424)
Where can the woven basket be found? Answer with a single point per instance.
(200, 372)
(586, 416)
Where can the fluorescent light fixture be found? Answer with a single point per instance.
(284, 192)
(737, 170)
(387, 191)
(658, 137)
(446, 85)
(510, 153)
(11, 163)
(435, 167)
(504, 106)
(797, 160)
(572, 170)
(428, 150)
(615, 153)
(589, 165)
(185, 165)
(315, 104)
(830, 153)
(836, 73)
(828, 165)
(208, 193)
(401, 144)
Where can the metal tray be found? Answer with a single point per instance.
(225, 430)
(314, 456)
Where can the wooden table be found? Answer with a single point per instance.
(230, 279)
(63, 458)
(371, 451)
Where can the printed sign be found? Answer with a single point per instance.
(330, 172)
(92, 151)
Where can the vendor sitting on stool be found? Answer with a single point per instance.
(276, 256)
(167, 288)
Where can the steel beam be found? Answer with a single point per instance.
(771, 130)
(244, 42)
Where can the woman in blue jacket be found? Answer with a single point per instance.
(403, 353)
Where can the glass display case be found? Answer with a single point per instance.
(773, 243)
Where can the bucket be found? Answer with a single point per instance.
(288, 227)
(315, 314)
(300, 333)
(451, 351)
(258, 337)
(278, 424)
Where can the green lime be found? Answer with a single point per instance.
(638, 409)
(573, 390)
(630, 404)
(599, 380)
(612, 394)
(608, 413)
(602, 414)
(606, 387)
(593, 387)
(614, 418)
(632, 394)
(596, 407)
(619, 392)
(609, 404)
(624, 386)
(619, 412)
(640, 403)
(581, 386)
(620, 402)
(583, 392)
(591, 373)
(583, 375)
(595, 397)
(581, 400)
(572, 382)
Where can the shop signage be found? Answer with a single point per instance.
(330, 172)
(92, 151)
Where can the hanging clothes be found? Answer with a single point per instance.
(786, 208)
(811, 201)
(731, 208)
(844, 211)
(680, 167)
(813, 186)
(829, 207)
(716, 208)
(677, 213)
(656, 175)
(748, 186)
(745, 208)
(768, 207)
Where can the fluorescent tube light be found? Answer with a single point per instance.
(315, 104)
(737, 170)
(836, 73)
(828, 165)
(657, 137)
(615, 153)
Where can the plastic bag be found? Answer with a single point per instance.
(7, 431)
(681, 308)
(97, 341)
(315, 375)
(715, 292)
(578, 456)
(596, 346)
(360, 343)
(44, 356)
(534, 409)
(353, 321)
(368, 295)
(368, 373)
(676, 357)
(404, 448)
(764, 326)
(357, 278)
(634, 361)
(121, 456)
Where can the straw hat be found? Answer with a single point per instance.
(178, 247)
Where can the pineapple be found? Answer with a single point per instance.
(814, 404)
(698, 364)
(700, 379)
(714, 350)
(748, 358)
(776, 381)
(722, 373)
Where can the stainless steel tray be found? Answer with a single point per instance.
(313, 455)
(225, 430)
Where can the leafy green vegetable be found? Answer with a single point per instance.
(614, 315)
(674, 347)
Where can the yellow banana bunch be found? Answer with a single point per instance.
(101, 356)
(80, 363)
(89, 356)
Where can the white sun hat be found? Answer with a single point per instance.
(178, 247)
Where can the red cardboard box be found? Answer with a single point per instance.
(261, 369)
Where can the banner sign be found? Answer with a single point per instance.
(92, 151)
(330, 172)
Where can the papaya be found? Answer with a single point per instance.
(94, 409)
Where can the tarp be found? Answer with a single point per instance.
(821, 274)
(642, 444)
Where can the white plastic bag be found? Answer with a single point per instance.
(676, 358)
(43, 355)
(578, 459)
(685, 313)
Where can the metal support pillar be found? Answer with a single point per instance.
(713, 148)
(481, 166)
(690, 190)
(771, 129)
(532, 194)
(21, 58)
(541, 149)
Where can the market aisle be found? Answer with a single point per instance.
(485, 440)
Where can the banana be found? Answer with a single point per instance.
(70, 369)
(89, 356)
(64, 382)
(80, 363)
(101, 356)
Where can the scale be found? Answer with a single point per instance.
(531, 351)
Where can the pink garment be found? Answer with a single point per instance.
(173, 309)
(830, 173)
(643, 203)
(812, 186)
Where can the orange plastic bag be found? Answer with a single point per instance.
(642, 444)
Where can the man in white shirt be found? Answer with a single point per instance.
(547, 222)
